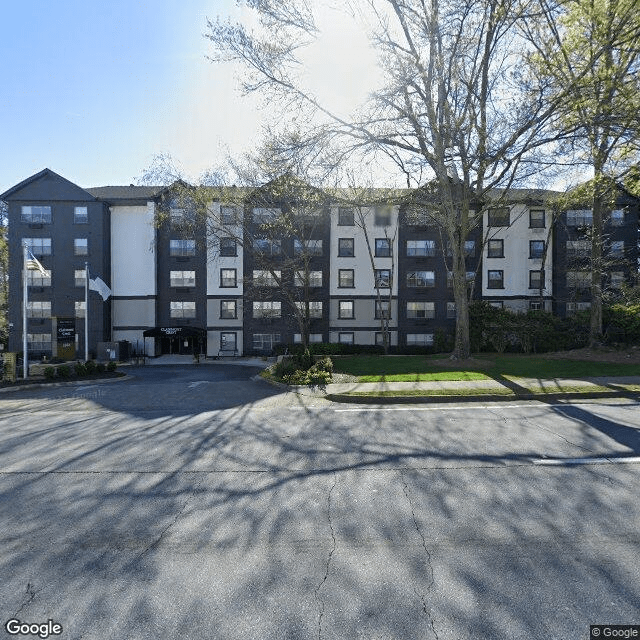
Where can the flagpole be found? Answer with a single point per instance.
(25, 298)
(86, 312)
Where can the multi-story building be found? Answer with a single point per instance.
(271, 267)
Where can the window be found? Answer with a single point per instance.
(536, 279)
(228, 247)
(229, 216)
(39, 341)
(383, 247)
(228, 278)
(617, 279)
(495, 280)
(315, 279)
(536, 249)
(36, 309)
(578, 248)
(38, 246)
(182, 309)
(535, 305)
(182, 248)
(451, 310)
(315, 309)
(81, 309)
(345, 217)
(80, 215)
(617, 249)
(265, 341)
(36, 279)
(345, 247)
(345, 337)
(345, 309)
(262, 215)
(80, 247)
(421, 248)
(228, 309)
(421, 279)
(228, 341)
(419, 339)
(267, 309)
(313, 337)
(382, 217)
(470, 248)
(182, 278)
(382, 278)
(383, 309)
(579, 218)
(495, 249)
(177, 216)
(496, 304)
(266, 278)
(267, 247)
(572, 307)
(499, 217)
(79, 277)
(36, 215)
(307, 247)
(578, 279)
(345, 278)
(536, 219)
(617, 217)
(421, 310)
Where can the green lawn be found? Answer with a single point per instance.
(412, 368)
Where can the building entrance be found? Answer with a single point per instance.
(178, 340)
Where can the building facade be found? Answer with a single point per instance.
(262, 267)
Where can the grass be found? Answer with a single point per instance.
(411, 368)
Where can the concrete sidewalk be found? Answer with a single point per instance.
(178, 359)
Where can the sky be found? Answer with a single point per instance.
(94, 89)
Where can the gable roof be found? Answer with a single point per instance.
(44, 174)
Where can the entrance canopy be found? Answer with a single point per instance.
(174, 332)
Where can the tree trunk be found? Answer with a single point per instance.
(595, 329)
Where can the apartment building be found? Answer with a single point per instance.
(265, 265)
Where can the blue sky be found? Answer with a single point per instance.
(93, 89)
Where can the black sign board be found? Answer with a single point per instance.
(66, 329)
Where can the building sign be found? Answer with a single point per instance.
(170, 331)
(66, 336)
(9, 369)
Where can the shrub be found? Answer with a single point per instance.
(111, 366)
(286, 367)
(64, 371)
(80, 369)
(49, 373)
(100, 367)
(90, 366)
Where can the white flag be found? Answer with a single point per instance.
(97, 284)
(33, 264)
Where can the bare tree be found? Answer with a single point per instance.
(457, 104)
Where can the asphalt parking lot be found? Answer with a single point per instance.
(199, 503)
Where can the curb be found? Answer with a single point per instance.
(71, 383)
(446, 399)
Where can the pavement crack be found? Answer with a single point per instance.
(30, 593)
(333, 548)
(430, 586)
(171, 524)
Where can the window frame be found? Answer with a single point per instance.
(378, 310)
(489, 280)
(379, 281)
(532, 220)
(78, 218)
(346, 333)
(173, 278)
(541, 281)
(382, 215)
(496, 217)
(489, 249)
(352, 279)
(383, 251)
(267, 309)
(231, 250)
(269, 280)
(346, 213)
(537, 255)
(40, 247)
(222, 278)
(224, 314)
(43, 216)
(412, 277)
(79, 281)
(341, 248)
(39, 309)
(182, 308)
(182, 248)
(428, 313)
(428, 251)
(340, 310)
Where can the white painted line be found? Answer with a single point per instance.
(577, 461)
(193, 385)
